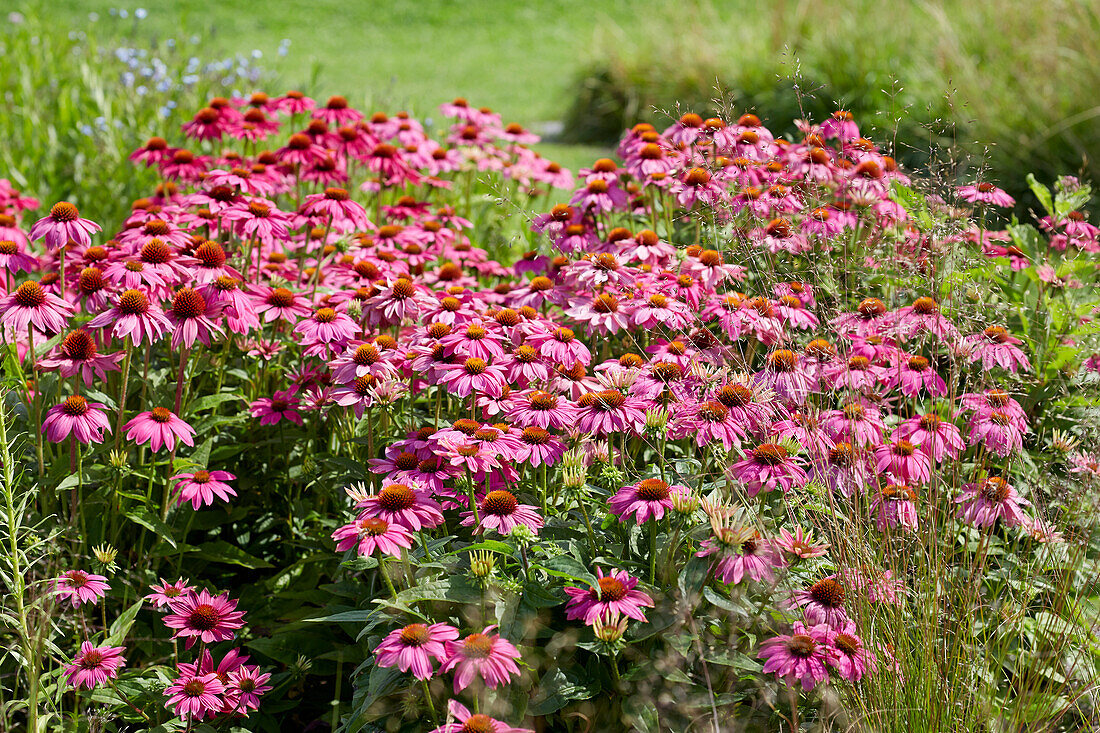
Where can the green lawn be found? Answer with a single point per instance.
(517, 57)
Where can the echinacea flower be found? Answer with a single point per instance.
(467, 722)
(166, 592)
(616, 593)
(30, 304)
(78, 354)
(741, 552)
(847, 654)
(201, 487)
(485, 654)
(191, 313)
(80, 587)
(649, 498)
(160, 427)
(413, 648)
(85, 420)
(246, 684)
(134, 316)
(404, 504)
(94, 665)
(799, 544)
(501, 511)
(194, 697)
(282, 405)
(203, 617)
(823, 602)
(767, 467)
(373, 534)
(982, 504)
(62, 224)
(799, 657)
(995, 346)
(985, 193)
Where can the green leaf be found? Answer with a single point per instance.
(1041, 192)
(121, 625)
(210, 401)
(222, 551)
(566, 566)
(141, 515)
(455, 589)
(556, 689)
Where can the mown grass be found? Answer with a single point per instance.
(516, 57)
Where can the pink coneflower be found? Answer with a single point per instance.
(501, 511)
(191, 313)
(246, 685)
(282, 405)
(465, 722)
(80, 587)
(895, 506)
(741, 552)
(134, 316)
(711, 420)
(858, 422)
(870, 317)
(542, 410)
(996, 347)
(610, 411)
(799, 657)
(30, 304)
(336, 203)
(373, 534)
(160, 427)
(767, 467)
(649, 498)
(616, 594)
(483, 654)
(203, 617)
(823, 602)
(408, 505)
(848, 655)
(902, 459)
(538, 447)
(85, 420)
(935, 436)
(13, 259)
(193, 697)
(94, 665)
(166, 592)
(329, 328)
(283, 304)
(998, 431)
(785, 376)
(474, 375)
(62, 224)
(982, 504)
(201, 487)
(413, 648)
(924, 316)
(78, 354)
(800, 544)
(844, 469)
(985, 193)
(915, 375)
